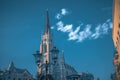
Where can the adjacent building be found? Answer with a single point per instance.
(13, 73)
(116, 37)
(51, 66)
(81, 76)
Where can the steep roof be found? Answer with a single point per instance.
(12, 67)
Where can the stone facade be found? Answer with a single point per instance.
(116, 37)
(81, 76)
(13, 73)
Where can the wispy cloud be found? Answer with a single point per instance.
(102, 29)
(58, 16)
(62, 13)
(88, 32)
(52, 27)
(66, 28)
(73, 35)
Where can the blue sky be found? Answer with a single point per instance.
(82, 28)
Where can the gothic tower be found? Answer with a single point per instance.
(47, 41)
(49, 65)
(47, 57)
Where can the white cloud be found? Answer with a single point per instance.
(67, 28)
(52, 27)
(86, 33)
(59, 25)
(102, 29)
(61, 14)
(96, 34)
(105, 28)
(64, 11)
(58, 16)
(62, 28)
(111, 25)
(73, 35)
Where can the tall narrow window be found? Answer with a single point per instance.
(44, 48)
(19, 78)
(13, 78)
(119, 41)
(119, 25)
(119, 34)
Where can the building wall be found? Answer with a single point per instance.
(116, 36)
(13, 73)
(116, 25)
(81, 76)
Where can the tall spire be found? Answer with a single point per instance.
(47, 26)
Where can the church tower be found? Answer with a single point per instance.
(47, 41)
(47, 57)
(49, 65)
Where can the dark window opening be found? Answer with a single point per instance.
(44, 48)
(117, 38)
(9, 72)
(9, 77)
(13, 78)
(19, 78)
(118, 33)
(119, 25)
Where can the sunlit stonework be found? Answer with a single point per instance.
(116, 39)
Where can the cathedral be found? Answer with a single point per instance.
(51, 66)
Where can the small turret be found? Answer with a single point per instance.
(55, 52)
(11, 66)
